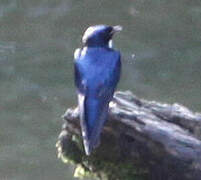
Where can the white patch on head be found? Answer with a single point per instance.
(88, 33)
(110, 43)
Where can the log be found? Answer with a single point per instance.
(141, 140)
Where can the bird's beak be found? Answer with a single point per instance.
(116, 29)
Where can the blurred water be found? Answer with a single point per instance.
(161, 50)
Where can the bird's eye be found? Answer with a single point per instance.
(110, 30)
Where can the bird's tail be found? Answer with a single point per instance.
(93, 114)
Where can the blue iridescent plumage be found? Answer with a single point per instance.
(97, 72)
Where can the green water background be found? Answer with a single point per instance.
(161, 56)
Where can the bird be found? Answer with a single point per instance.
(97, 71)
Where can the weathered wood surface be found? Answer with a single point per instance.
(162, 141)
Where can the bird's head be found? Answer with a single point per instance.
(99, 35)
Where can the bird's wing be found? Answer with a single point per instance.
(96, 108)
(81, 90)
(93, 100)
(77, 69)
(109, 83)
(95, 114)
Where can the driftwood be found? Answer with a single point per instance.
(141, 140)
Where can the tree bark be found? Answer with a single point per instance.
(141, 140)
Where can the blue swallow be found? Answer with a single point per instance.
(97, 71)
